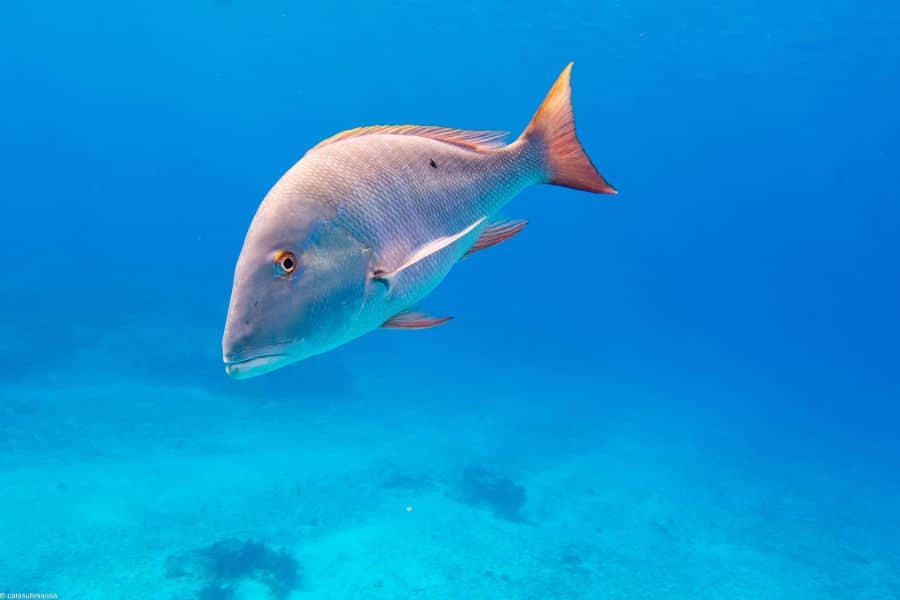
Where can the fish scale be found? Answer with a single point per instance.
(410, 203)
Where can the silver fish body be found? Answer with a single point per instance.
(373, 220)
(395, 201)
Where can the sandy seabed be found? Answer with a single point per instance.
(136, 488)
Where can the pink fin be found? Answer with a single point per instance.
(411, 319)
(496, 233)
(471, 140)
(553, 127)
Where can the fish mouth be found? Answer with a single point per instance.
(256, 365)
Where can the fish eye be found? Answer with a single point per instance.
(285, 262)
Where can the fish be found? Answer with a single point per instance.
(371, 220)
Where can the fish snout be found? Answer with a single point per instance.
(237, 339)
(245, 356)
(243, 361)
(257, 365)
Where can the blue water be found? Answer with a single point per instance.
(689, 390)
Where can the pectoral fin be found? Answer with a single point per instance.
(496, 233)
(412, 319)
(387, 276)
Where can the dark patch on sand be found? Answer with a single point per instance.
(220, 567)
(502, 496)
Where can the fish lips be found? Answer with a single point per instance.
(256, 365)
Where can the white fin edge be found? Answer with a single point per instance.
(424, 251)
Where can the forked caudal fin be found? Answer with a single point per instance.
(553, 127)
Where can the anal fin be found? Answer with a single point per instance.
(496, 233)
(413, 319)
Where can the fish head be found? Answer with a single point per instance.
(298, 286)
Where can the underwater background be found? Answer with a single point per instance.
(689, 390)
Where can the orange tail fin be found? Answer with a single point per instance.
(553, 127)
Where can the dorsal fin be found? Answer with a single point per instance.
(469, 139)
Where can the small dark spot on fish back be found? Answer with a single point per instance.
(432, 163)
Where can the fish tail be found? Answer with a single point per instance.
(553, 129)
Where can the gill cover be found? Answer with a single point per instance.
(330, 291)
(296, 314)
